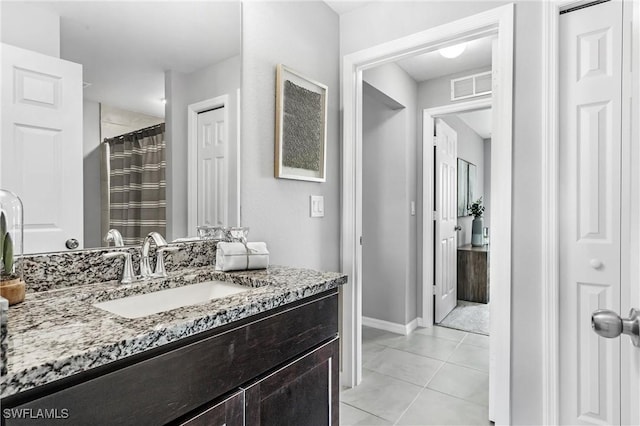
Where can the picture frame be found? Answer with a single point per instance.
(301, 127)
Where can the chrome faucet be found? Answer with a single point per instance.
(145, 266)
(114, 236)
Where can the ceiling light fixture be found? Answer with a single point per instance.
(453, 51)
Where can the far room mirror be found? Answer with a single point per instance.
(467, 188)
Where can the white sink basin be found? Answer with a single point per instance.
(142, 305)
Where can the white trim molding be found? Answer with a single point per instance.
(494, 21)
(192, 153)
(392, 327)
(549, 204)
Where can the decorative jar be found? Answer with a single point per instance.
(12, 286)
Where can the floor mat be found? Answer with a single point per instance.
(469, 316)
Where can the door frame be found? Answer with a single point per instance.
(428, 187)
(497, 21)
(550, 254)
(192, 153)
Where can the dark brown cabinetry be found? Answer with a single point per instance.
(190, 379)
(304, 392)
(473, 273)
(228, 412)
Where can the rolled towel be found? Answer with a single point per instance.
(240, 256)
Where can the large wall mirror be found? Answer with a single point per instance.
(467, 187)
(159, 113)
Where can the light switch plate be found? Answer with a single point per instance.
(316, 206)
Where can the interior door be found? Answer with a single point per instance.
(591, 170)
(212, 168)
(446, 219)
(41, 146)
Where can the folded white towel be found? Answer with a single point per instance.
(238, 256)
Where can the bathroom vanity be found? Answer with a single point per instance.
(268, 355)
(473, 273)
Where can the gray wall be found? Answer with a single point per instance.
(305, 37)
(471, 149)
(91, 168)
(389, 186)
(385, 21)
(181, 90)
(384, 225)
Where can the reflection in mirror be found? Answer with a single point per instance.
(152, 137)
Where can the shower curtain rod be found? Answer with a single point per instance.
(124, 135)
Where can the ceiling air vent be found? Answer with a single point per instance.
(471, 85)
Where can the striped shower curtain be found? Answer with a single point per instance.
(137, 201)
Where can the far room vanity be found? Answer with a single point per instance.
(473, 273)
(267, 354)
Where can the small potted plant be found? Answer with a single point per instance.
(477, 209)
(12, 285)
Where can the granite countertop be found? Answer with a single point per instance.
(57, 333)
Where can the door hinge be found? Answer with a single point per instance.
(360, 239)
(435, 141)
(435, 215)
(434, 290)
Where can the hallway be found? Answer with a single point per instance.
(435, 376)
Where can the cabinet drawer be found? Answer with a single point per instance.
(167, 386)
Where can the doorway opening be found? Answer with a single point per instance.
(497, 22)
(464, 304)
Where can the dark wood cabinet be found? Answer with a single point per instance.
(228, 412)
(185, 381)
(304, 392)
(473, 273)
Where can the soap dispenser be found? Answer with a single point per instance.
(12, 285)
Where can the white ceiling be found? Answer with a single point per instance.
(125, 47)
(479, 121)
(345, 6)
(433, 65)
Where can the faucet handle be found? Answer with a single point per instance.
(160, 271)
(127, 272)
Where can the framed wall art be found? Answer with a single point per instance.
(301, 127)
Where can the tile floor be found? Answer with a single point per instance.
(434, 376)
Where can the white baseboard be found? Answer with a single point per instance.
(392, 327)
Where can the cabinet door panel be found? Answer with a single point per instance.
(304, 392)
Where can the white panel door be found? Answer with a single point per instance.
(446, 246)
(41, 146)
(212, 168)
(590, 214)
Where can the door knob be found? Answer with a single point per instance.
(72, 243)
(457, 228)
(596, 263)
(608, 324)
